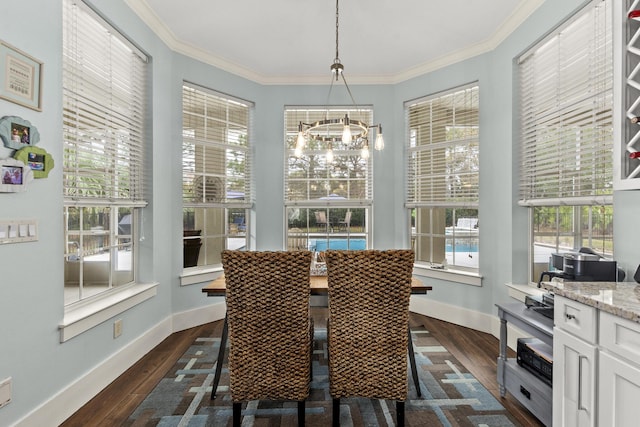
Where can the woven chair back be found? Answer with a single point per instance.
(368, 322)
(270, 330)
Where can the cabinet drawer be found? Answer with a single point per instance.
(620, 336)
(534, 394)
(576, 318)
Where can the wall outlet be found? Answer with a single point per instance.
(5, 392)
(117, 328)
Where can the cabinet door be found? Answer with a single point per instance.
(574, 373)
(619, 392)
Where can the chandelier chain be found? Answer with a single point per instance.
(337, 26)
(352, 129)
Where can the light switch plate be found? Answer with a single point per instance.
(18, 231)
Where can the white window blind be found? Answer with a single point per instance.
(442, 149)
(312, 180)
(216, 150)
(566, 113)
(104, 108)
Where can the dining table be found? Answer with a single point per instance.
(319, 286)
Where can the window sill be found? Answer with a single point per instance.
(85, 316)
(519, 292)
(448, 274)
(191, 276)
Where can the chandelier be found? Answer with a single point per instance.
(345, 130)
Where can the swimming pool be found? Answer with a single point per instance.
(339, 244)
(462, 247)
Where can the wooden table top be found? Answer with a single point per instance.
(319, 286)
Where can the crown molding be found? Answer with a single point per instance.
(146, 13)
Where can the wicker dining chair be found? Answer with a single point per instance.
(368, 325)
(270, 327)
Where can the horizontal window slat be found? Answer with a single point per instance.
(104, 104)
(566, 111)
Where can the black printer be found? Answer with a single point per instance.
(585, 265)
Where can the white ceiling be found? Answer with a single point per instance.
(294, 41)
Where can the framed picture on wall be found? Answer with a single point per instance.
(14, 176)
(37, 159)
(18, 133)
(20, 77)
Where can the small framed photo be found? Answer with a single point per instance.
(20, 77)
(37, 159)
(14, 176)
(18, 133)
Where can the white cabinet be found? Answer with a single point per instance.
(618, 372)
(574, 363)
(574, 374)
(619, 388)
(596, 367)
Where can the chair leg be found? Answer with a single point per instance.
(336, 412)
(301, 413)
(311, 350)
(219, 362)
(414, 370)
(400, 413)
(237, 413)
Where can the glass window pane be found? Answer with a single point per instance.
(448, 236)
(568, 228)
(319, 229)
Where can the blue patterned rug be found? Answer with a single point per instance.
(451, 396)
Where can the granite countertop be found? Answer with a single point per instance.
(621, 299)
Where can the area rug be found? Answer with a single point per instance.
(451, 396)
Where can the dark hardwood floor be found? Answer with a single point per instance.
(477, 351)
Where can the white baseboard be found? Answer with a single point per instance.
(65, 403)
(478, 321)
(69, 400)
(453, 314)
(199, 316)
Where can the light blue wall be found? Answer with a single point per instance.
(504, 232)
(31, 297)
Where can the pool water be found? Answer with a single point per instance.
(340, 244)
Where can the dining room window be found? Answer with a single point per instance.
(104, 110)
(443, 178)
(327, 201)
(216, 175)
(565, 86)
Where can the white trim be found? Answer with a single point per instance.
(195, 276)
(146, 14)
(483, 322)
(86, 316)
(449, 274)
(71, 398)
(200, 316)
(519, 292)
(66, 402)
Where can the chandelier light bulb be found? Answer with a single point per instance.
(379, 145)
(330, 154)
(365, 150)
(346, 131)
(300, 141)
